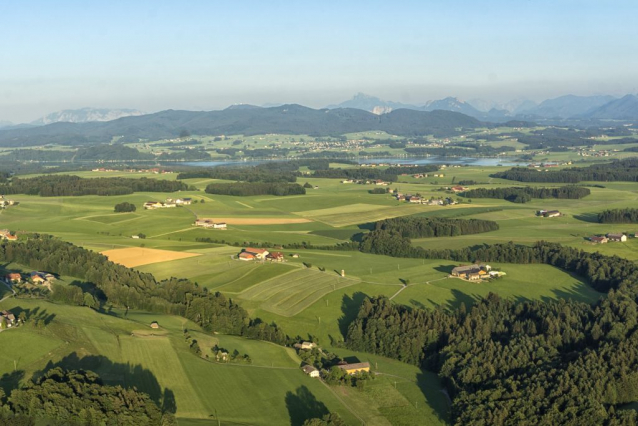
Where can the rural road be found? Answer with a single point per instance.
(406, 286)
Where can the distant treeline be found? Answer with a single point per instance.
(270, 171)
(525, 194)
(552, 137)
(389, 174)
(621, 170)
(120, 286)
(243, 189)
(66, 185)
(347, 246)
(103, 152)
(618, 216)
(425, 227)
(468, 150)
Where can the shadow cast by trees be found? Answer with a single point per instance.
(587, 217)
(461, 298)
(34, 315)
(10, 381)
(303, 405)
(350, 308)
(436, 396)
(446, 269)
(112, 373)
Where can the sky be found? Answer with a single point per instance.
(204, 55)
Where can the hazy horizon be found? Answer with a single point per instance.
(153, 56)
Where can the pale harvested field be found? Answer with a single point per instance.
(260, 220)
(136, 256)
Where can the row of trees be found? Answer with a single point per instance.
(622, 170)
(507, 363)
(425, 227)
(525, 194)
(389, 174)
(120, 286)
(255, 188)
(627, 215)
(66, 185)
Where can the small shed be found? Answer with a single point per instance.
(154, 324)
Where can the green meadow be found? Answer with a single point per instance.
(305, 295)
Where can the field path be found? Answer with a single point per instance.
(343, 402)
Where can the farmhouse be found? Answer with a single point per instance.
(458, 188)
(617, 237)
(415, 200)
(154, 324)
(471, 272)
(183, 201)
(257, 253)
(310, 370)
(598, 240)
(37, 278)
(275, 256)
(8, 317)
(305, 346)
(151, 205)
(209, 223)
(5, 234)
(355, 368)
(549, 213)
(246, 256)
(13, 278)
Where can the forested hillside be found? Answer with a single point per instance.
(120, 286)
(286, 119)
(509, 363)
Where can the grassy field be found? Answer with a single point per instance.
(272, 390)
(309, 302)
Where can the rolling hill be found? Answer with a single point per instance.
(286, 119)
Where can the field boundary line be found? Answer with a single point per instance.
(343, 402)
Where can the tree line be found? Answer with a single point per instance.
(63, 397)
(622, 170)
(119, 286)
(243, 189)
(627, 215)
(426, 227)
(67, 185)
(525, 194)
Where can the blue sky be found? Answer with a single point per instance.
(155, 55)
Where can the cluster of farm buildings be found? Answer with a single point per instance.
(611, 237)
(250, 253)
(4, 203)
(349, 368)
(5, 234)
(210, 224)
(168, 203)
(36, 278)
(416, 199)
(8, 319)
(475, 272)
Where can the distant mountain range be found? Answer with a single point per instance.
(246, 120)
(569, 107)
(85, 115)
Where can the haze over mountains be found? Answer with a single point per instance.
(563, 107)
